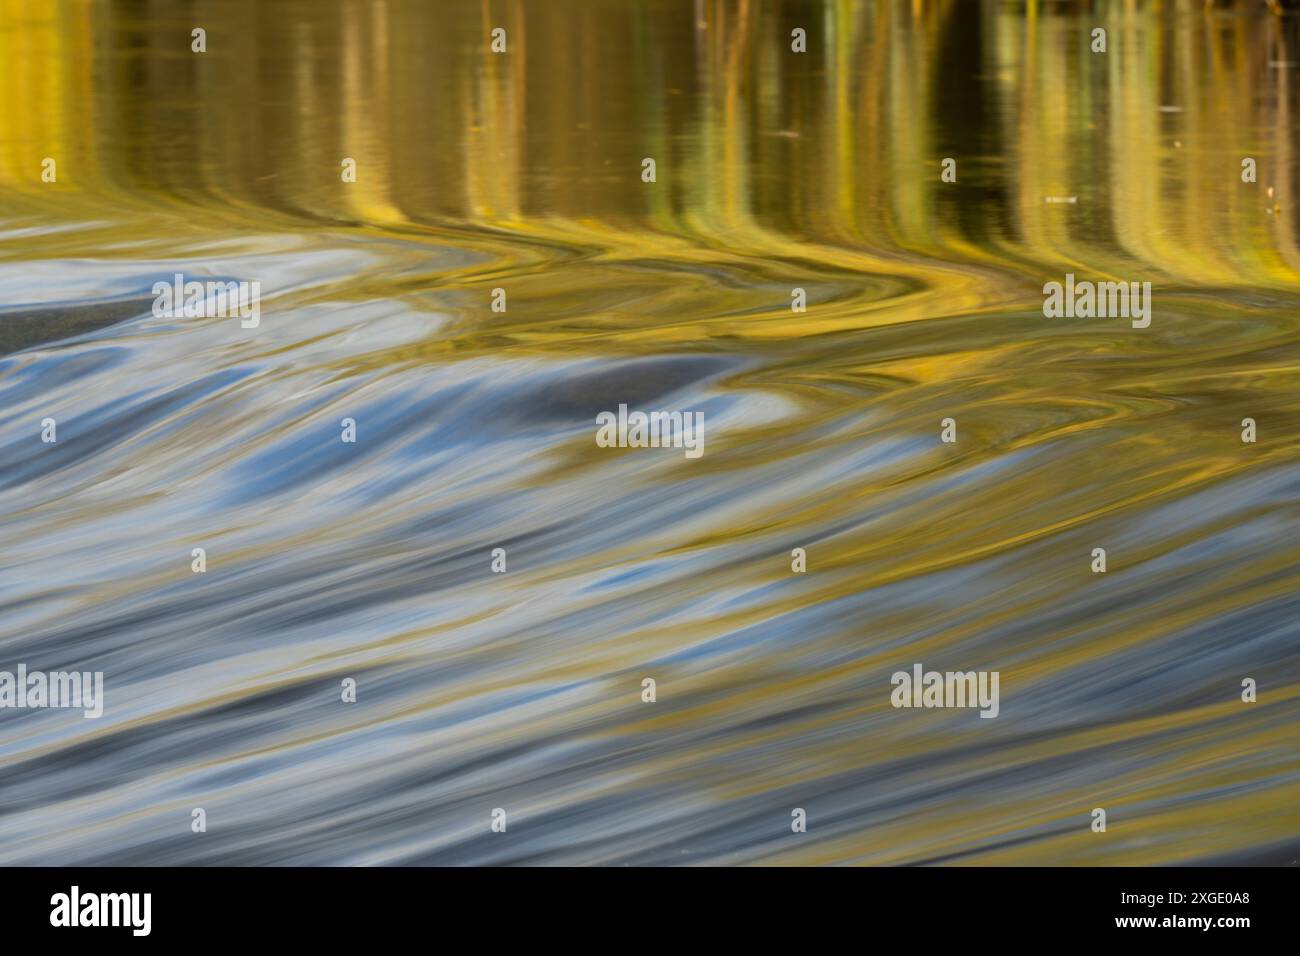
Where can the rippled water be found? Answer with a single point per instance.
(522, 690)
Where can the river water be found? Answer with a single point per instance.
(522, 690)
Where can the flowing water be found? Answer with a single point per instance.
(522, 690)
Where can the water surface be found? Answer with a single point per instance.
(521, 690)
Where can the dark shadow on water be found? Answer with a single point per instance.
(26, 326)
